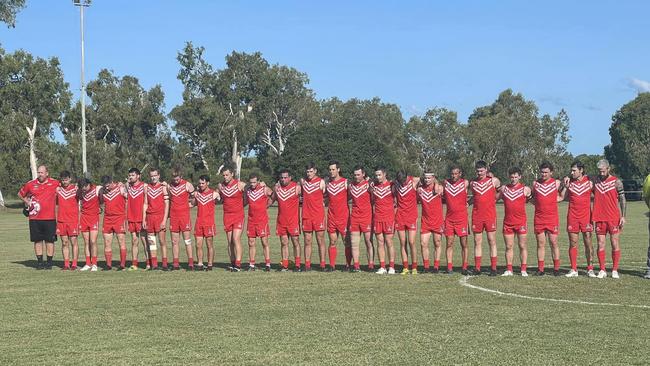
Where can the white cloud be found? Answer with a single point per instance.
(641, 86)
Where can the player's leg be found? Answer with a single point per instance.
(236, 245)
(647, 273)
(449, 253)
(414, 253)
(121, 241)
(616, 253)
(152, 239)
(74, 241)
(93, 248)
(108, 250)
(601, 239)
(320, 241)
(437, 250)
(284, 251)
(573, 254)
(401, 236)
(251, 251)
(541, 251)
(355, 240)
(555, 251)
(464, 253)
(199, 251)
(347, 245)
(370, 250)
(424, 248)
(332, 252)
(381, 253)
(134, 249)
(209, 242)
(388, 240)
(308, 237)
(230, 245)
(65, 251)
(295, 240)
(176, 238)
(509, 240)
(145, 245)
(478, 251)
(589, 251)
(522, 239)
(86, 237)
(492, 242)
(187, 239)
(162, 238)
(267, 252)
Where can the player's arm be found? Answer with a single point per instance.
(622, 203)
(530, 196)
(242, 186)
(189, 187)
(470, 197)
(558, 186)
(298, 190)
(219, 189)
(415, 181)
(274, 195)
(166, 212)
(269, 196)
(216, 196)
(145, 205)
(498, 194)
(25, 194)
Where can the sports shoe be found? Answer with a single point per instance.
(540, 273)
(647, 275)
(391, 270)
(40, 265)
(267, 268)
(164, 268)
(283, 269)
(208, 267)
(449, 271)
(107, 268)
(297, 269)
(602, 274)
(121, 268)
(133, 268)
(48, 265)
(235, 269)
(85, 268)
(198, 267)
(329, 269)
(465, 272)
(65, 268)
(405, 271)
(93, 268)
(493, 273)
(148, 268)
(572, 273)
(524, 274)
(414, 271)
(507, 274)
(355, 270)
(556, 272)
(615, 275)
(475, 272)
(381, 270)
(435, 270)
(591, 273)
(251, 268)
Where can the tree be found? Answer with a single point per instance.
(510, 132)
(8, 11)
(629, 150)
(436, 140)
(33, 98)
(590, 162)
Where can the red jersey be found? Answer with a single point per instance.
(288, 205)
(155, 199)
(114, 203)
(484, 196)
(546, 202)
(579, 192)
(90, 203)
(431, 204)
(179, 200)
(232, 197)
(514, 204)
(257, 205)
(204, 207)
(361, 205)
(407, 204)
(606, 201)
(384, 202)
(338, 209)
(66, 199)
(43, 198)
(456, 200)
(135, 201)
(312, 200)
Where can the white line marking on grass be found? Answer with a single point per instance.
(464, 282)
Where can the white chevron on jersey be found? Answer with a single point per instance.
(285, 194)
(203, 199)
(177, 190)
(254, 195)
(110, 195)
(311, 187)
(482, 187)
(381, 192)
(335, 188)
(604, 187)
(154, 192)
(454, 189)
(90, 195)
(229, 191)
(66, 194)
(426, 196)
(511, 193)
(580, 188)
(406, 188)
(135, 192)
(545, 189)
(358, 190)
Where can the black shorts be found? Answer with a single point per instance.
(42, 230)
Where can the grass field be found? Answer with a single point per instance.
(56, 317)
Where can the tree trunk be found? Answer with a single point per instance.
(236, 155)
(33, 162)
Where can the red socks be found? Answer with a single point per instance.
(436, 264)
(371, 265)
(307, 264)
(601, 259)
(108, 256)
(176, 263)
(285, 263)
(573, 257)
(93, 260)
(616, 256)
(154, 262)
(297, 260)
(477, 263)
(356, 265)
(382, 264)
(391, 264)
(123, 257)
(465, 265)
(332, 253)
(238, 263)
(267, 262)
(426, 264)
(414, 265)
(556, 264)
(164, 262)
(493, 263)
(322, 265)
(74, 263)
(88, 261)
(524, 267)
(509, 267)
(190, 262)
(405, 265)
(66, 263)
(540, 266)
(450, 266)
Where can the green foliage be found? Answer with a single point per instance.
(629, 150)
(8, 11)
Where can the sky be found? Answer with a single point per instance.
(587, 57)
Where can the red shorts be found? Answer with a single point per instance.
(546, 228)
(456, 228)
(360, 225)
(607, 227)
(309, 225)
(521, 228)
(180, 224)
(489, 225)
(340, 227)
(135, 227)
(437, 227)
(233, 222)
(153, 223)
(114, 224)
(384, 227)
(288, 230)
(410, 225)
(579, 226)
(204, 230)
(67, 229)
(87, 224)
(258, 230)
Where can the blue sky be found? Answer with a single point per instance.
(588, 57)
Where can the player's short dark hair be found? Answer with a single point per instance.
(228, 168)
(578, 164)
(481, 164)
(514, 170)
(134, 170)
(334, 162)
(546, 165)
(284, 170)
(64, 174)
(253, 176)
(380, 168)
(105, 179)
(154, 170)
(401, 176)
(204, 177)
(176, 171)
(81, 183)
(454, 167)
(359, 167)
(311, 165)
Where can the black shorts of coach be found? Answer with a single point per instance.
(42, 230)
